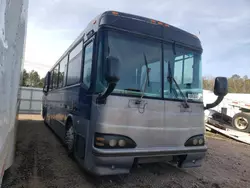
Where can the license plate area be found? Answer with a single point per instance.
(142, 160)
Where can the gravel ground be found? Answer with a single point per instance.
(41, 162)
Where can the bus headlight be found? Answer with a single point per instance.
(197, 140)
(112, 143)
(109, 141)
(122, 143)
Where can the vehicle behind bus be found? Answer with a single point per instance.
(129, 90)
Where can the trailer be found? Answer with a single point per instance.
(235, 126)
(241, 118)
(13, 23)
(231, 133)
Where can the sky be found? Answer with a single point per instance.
(223, 27)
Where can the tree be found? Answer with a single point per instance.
(32, 79)
(41, 83)
(236, 84)
(208, 83)
(25, 78)
(235, 76)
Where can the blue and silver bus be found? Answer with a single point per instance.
(129, 91)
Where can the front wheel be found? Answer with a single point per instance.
(70, 139)
(241, 122)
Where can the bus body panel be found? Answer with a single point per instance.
(162, 121)
(160, 134)
(71, 103)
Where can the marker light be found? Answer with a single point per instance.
(153, 21)
(115, 13)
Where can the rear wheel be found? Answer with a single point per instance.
(241, 122)
(70, 138)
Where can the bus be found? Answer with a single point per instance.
(129, 91)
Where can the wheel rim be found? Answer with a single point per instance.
(70, 138)
(241, 123)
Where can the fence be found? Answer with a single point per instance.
(31, 100)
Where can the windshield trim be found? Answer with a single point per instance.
(153, 39)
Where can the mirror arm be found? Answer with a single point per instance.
(101, 99)
(215, 103)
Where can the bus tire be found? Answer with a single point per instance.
(241, 122)
(70, 138)
(44, 115)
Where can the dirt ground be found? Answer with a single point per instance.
(41, 161)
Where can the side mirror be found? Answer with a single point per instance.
(220, 90)
(220, 86)
(111, 76)
(46, 83)
(112, 71)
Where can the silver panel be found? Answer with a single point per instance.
(162, 124)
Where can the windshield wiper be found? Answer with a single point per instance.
(147, 77)
(171, 79)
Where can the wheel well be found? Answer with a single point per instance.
(44, 111)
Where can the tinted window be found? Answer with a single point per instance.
(74, 66)
(55, 77)
(62, 72)
(135, 55)
(87, 64)
(183, 69)
(185, 66)
(51, 80)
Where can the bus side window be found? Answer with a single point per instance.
(45, 83)
(55, 77)
(87, 68)
(51, 81)
(74, 65)
(62, 72)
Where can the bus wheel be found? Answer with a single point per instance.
(70, 138)
(241, 122)
(45, 120)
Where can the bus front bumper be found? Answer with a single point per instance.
(112, 162)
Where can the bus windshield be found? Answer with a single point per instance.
(137, 55)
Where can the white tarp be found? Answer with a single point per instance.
(13, 18)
